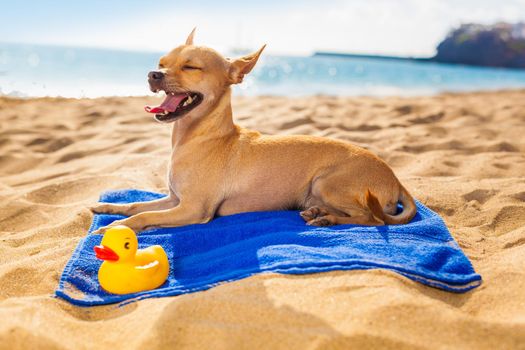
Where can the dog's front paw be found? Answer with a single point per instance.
(100, 231)
(103, 229)
(107, 208)
(99, 208)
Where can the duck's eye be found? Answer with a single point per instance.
(126, 245)
(188, 67)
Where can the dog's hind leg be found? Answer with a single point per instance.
(331, 219)
(129, 209)
(313, 212)
(337, 206)
(320, 216)
(324, 216)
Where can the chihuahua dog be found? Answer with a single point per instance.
(219, 168)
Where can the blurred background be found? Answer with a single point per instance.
(355, 47)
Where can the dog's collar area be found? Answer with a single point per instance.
(175, 105)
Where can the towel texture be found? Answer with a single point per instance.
(234, 247)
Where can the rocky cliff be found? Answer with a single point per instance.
(498, 45)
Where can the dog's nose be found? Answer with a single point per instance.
(155, 75)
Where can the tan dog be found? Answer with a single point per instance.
(219, 168)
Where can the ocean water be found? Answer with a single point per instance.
(31, 70)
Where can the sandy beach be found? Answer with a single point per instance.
(463, 155)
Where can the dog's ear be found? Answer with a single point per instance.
(189, 41)
(241, 66)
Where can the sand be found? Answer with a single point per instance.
(460, 154)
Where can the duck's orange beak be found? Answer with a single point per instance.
(105, 253)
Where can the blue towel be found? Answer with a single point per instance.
(233, 247)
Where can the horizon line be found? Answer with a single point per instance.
(229, 50)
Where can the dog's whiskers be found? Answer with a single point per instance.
(172, 87)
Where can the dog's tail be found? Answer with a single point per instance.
(409, 208)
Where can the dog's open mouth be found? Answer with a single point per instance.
(175, 105)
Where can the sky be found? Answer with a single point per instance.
(392, 27)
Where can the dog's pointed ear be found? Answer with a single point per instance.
(241, 66)
(189, 40)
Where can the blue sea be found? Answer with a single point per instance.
(36, 70)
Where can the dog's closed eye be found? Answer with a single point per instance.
(189, 67)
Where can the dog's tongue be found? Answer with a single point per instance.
(170, 104)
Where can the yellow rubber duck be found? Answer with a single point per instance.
(127, 269)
